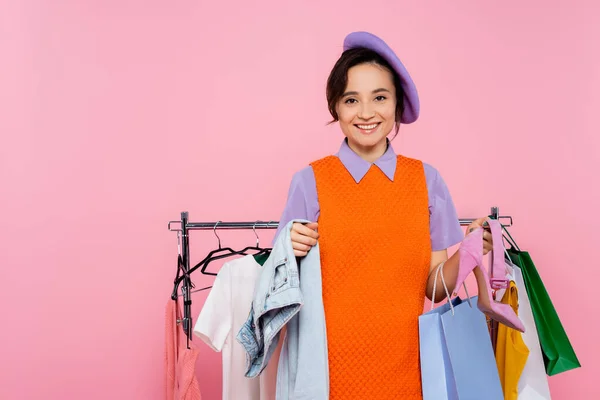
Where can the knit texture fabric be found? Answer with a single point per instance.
(375, 252)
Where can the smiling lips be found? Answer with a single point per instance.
(366, 129)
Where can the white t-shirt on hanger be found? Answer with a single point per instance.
(223, 314)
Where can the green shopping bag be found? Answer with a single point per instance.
(557, 350)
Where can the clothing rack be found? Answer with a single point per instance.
(185, 226)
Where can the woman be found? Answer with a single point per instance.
(383, 222)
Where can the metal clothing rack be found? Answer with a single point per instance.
(185, 226)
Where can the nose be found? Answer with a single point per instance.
(366, 111)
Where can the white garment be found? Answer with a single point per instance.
(533, 383)
(223, 314)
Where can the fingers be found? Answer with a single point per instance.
(296, 245)
(488, 242)
(303, 237)
(487, 237)
(300, 250)
(471, 228)
(300, 253)
(308, 230)
(478, 223)
(312, 225)
(487, 247)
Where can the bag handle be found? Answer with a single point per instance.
(512, 241)
(440, 270)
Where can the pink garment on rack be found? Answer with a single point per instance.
(180, 362)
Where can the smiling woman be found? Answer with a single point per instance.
(368, 107)
(384, 223)
(363, 90)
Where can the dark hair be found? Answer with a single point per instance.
(338, 79)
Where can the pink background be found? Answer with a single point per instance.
(115, 116)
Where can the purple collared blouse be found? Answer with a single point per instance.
(303, 203)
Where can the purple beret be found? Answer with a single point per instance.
(372, 42)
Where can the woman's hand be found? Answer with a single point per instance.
(304, 237)
(487, 235)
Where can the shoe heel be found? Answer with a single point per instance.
(503, 313)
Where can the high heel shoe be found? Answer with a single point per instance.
(470, 253)
(471, 257)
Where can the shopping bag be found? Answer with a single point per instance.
(457, 339)
(437, 378)
(471, 353)
(533, 383)
(559, 355)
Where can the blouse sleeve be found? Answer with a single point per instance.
(302, 201)
(444, 226)
(215, 320)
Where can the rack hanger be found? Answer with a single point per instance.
(185, 226)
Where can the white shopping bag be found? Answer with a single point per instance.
(533, 384)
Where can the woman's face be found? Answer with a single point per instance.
(367, 109)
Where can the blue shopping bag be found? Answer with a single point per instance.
(456, 354)
(436, 370)
(471, 354)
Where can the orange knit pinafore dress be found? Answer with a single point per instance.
(375, 251)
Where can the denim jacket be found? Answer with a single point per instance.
(289, 293)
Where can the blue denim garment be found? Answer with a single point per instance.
(289, 293)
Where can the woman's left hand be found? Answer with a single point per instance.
(487, 235)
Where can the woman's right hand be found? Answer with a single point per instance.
(303, 236)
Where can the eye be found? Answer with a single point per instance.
(350, 101)
(380, 98)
